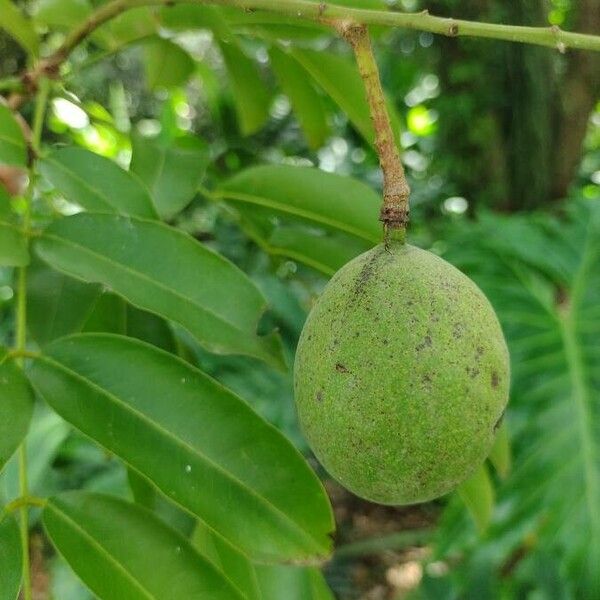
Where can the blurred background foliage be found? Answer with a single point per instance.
(502, 147)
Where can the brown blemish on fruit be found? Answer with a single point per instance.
(319, 396)
(495, 380)
(340, 368)
(426, 343)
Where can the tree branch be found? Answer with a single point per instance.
(324, 12)
(396, 191)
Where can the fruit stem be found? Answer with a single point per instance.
(396, 191)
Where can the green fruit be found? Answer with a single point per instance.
(401, 376)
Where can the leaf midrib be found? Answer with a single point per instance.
(224, 194)
(194, 451)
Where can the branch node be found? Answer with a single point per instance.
(453, 30)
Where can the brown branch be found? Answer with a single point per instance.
(396, 191)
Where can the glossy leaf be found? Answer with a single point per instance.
(305, 100)
(16, 407)
(13, 246)
(477, 493)
(500, 456)
(164, 271)
(10, 559)
(167, 64)
(120, 550)
(57, 305)
(261, 582)
(18, 26)
(325, 253)
(195, 440)
(339, 78)
(331, 201)
(62, 14)
(112, 314)
(13, 150)
(171, 170)
(251, 97)
(130, 26)
(46, 435)
(96, 183)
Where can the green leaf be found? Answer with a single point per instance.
(201, 445)
(96, 183)
(57, 305)
(47, 433)
(542, 275)
(167, 64)
(171, 169)
(6, 212)
(18, 27)
(251, 97)
(325, 253)
(111, 314)
(131, 26)
(338, 76)
(162, 270)
(16, 407)
(260, 582)
(62, 14)
(10, 559)
(477, 493)
(13, 149)
(306, 102)
(13, 246)
(332, 201)
(120, 550)
(500, 456)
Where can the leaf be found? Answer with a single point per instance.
(306, 102)
(57, 305)
(96, 183)
(167, 65)
(13, 246)
(542, 275)
(101, 538)
(10, 559)
(477, 493)
(62, 14)
(46, 434)
(331, 201)
(260, 582)
(111, 314)
(251, 97)
(162, 270)
(171, 170)
(500, 455)
(338, 76)
(130, 26)
(18, 27)
(16, 407)
(325, 253)
(195, 440)
(13, 149)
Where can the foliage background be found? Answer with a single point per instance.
(502, 147)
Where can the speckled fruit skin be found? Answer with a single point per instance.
(401, 376)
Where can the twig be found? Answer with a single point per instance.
(324, 12)
(396, 191)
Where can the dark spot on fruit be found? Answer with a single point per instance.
(457, 330)
(426, 343)
(499, 421)
(479, 351)
(426, 378)
(495, 379)
(340, 368)
(319, 396)
(472, 372)
(386, 342)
